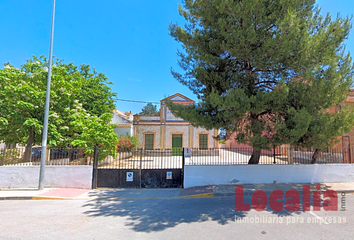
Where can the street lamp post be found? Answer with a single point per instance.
(46, 109)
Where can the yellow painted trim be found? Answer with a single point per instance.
(216, 143)
(192, 137)
(123, 126)
(199, 195)
(160, 136)
(178, 94)
(135, 129)
(189, 136)
(164, 136)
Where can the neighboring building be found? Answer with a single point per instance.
(232, 143)
(165, 131)
(124, 122)
(345, 143)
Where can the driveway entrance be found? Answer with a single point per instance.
(141, 169)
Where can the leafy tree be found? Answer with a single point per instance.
(96, 96)
(148, 109)
(22, 98)
(265, 69)
(91, 131)
(325, 128)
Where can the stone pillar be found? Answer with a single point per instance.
(190, 136)
(163, 136)
(290, 155)
(47, 154)
(216, 142)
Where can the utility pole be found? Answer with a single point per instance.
(46, 109)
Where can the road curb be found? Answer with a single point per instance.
(246, 193)
(60, 198)
(16, 198)
(204, 195)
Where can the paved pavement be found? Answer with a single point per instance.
(167, 218)
(195, 192)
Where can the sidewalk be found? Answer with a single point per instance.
(195, 192)
(103, 193)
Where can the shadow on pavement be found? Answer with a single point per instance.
(149, 215)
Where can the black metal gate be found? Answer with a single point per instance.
(138, 169)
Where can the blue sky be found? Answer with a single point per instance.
(126, 40)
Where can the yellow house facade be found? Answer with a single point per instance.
(163, 130)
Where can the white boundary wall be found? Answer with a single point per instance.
(55, 176)
(258, 174)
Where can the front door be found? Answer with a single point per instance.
(176, 144)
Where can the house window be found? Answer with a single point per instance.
(149, 141)
(203, 141)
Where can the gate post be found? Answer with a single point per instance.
(94, 172)
(290, 155)
(3, 155)
(141, 161)
(349, 156)
(182, 170)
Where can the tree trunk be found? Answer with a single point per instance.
(256, 154)
(71, 153)
(315, 155)
(28, 149)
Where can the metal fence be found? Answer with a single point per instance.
(69, 156)
(170, 158)
(279, 155)
(230, 156)
(141, 159)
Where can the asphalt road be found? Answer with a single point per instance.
(192, 218)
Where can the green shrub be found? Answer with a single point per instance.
(127, 143)
(12, 156)
(222, 141)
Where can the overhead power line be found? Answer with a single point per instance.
(135, 101)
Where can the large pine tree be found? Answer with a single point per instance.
(265, 69)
